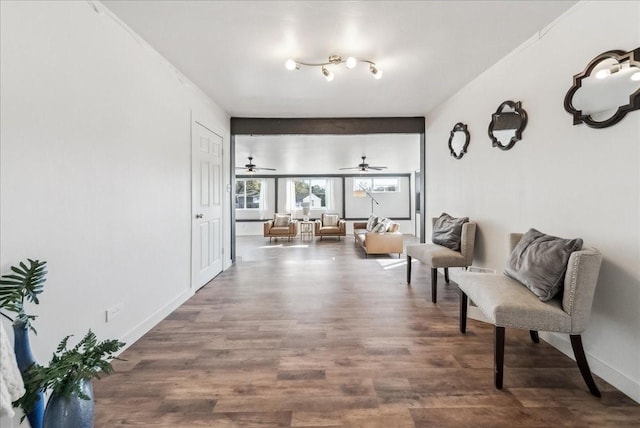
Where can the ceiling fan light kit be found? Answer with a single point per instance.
(350, 62)
(251, 168)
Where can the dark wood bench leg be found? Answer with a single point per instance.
(446, 275)
(534, 336)
(499, 356)
(463, 312)
(434, 283)
(408, 270)
(583, 365)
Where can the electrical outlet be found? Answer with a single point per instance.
(113, 312)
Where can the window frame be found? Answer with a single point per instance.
(309, 183)
(371, 184)
(244, 196)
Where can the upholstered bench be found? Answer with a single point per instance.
(506, 302)
(438, 256)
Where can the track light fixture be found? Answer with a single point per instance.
(349, 62)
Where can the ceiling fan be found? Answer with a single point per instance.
(364, 166)
(251, 167)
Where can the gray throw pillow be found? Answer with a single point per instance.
(447, 231)
(539, 262)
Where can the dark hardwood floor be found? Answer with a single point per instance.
(313, 334)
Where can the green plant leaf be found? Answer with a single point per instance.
(26, 283)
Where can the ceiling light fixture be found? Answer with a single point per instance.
(349, 62)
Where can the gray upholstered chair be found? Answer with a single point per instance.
(507, 303)
(437, 256)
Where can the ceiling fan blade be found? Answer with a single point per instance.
(264, 169)
(377, 167)
(352, 167)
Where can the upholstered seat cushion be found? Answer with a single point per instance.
(436, 255)
(329, 229)
(278, 230)
(508, 304)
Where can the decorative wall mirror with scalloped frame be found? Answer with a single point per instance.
(607, 89)
(507, 124)
(459, 140)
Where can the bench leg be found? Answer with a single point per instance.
(498, 356)
(408, 270)
(446, 275)
(434, 283)
(463, 312)
(583, 365)
(534, 336)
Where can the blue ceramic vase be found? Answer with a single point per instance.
(70, 412)
(24, 358)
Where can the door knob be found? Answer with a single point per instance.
(199, 215)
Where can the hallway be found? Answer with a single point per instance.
(313, 334)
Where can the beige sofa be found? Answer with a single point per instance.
(378, 242)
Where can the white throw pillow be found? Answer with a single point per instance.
(282, 220)
(373, 220)
(330, 220)
(380, 228)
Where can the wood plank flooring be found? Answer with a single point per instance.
(313, 334)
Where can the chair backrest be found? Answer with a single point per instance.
(580, 282)
(331, 214)
(467, 240)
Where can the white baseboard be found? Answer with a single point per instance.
(619, 380)
(622, 382)
(143, 328)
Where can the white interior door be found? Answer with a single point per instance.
(206, 226)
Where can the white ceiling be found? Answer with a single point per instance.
(325, 154)
(235, 52)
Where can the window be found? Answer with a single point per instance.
(377, 184)
(248, 194)
(312, 190)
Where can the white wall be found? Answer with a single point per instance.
(565, 180)
(95, 169)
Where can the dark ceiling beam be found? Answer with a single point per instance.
(327, 126)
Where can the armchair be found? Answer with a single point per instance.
(282, 226)
(330, 225)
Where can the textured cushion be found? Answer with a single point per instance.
(436, 256)
(330, 220)
(539, 262)
(393, 227)
(281, 220)
(279, 230)
(373, 220)
(447, 231)
(507, 304)
(380, 228)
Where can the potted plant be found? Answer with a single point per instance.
(68, 377)
(25, 283)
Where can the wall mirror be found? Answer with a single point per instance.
(507, 124)
(459, 140)
(607, 89)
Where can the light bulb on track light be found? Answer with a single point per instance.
(327, 74)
